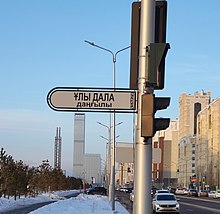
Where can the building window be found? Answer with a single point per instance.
(193, 158)
(193, 152)
(210, 121)
(197, 109)
(193, 165)
(193, 171)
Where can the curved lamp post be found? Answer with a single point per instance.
(111, 165)
(114, 58)
(107, 163)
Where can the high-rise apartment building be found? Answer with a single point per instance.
(85, 166)
(125, 167)
(208, 146)
(79, 145)
(93, 168)
(189, 107)
(165, 146)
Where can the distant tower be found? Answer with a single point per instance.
(79, 145)
(57, 149)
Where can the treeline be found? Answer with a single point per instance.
(17, 178)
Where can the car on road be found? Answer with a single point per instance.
(172, 190)
(153, 190)
(217, 194)
(126, 189)
(162, 191)
(97, 191)
(193, 192)
(203, 193)
(211, 194)
(165, 202)
(181, 191)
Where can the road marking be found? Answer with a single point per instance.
(205, 208)
(199, 199)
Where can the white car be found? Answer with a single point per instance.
(217, 194)
(181, 191)
(165, 202)
(162, 191)
(211, 194)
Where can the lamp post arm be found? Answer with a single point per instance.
(105, 49)
(117, 124)
(115, 55)
(104, 125)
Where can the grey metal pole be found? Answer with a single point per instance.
(113, 161)
(108, 157)
(112, 185)
(143, 147)
(112, 182)
(113, 132)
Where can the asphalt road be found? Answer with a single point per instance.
(191, 205)
(188, 205)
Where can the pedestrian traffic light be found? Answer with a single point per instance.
(149, 124)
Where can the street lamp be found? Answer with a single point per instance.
(114, 57)
(108, 160)
(112, 171)
(108, 163)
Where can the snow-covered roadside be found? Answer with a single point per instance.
(78, 205)
(82, 204)
(9, 204)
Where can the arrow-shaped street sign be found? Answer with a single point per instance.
(96, 99)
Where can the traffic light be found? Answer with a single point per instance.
(160, 37)
(203, 179)
(129, 169)
(156, 64)
(149, 124)
(135, 42)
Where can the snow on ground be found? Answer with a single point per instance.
(78, 205)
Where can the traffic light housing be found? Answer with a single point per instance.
(149, 124)
(156, 64)
(160, 37)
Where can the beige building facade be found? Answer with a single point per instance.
(124, 164)
(208, 146)
(189, 107)
(186, 161)
(164, 172)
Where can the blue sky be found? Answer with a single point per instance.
(42, 46)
